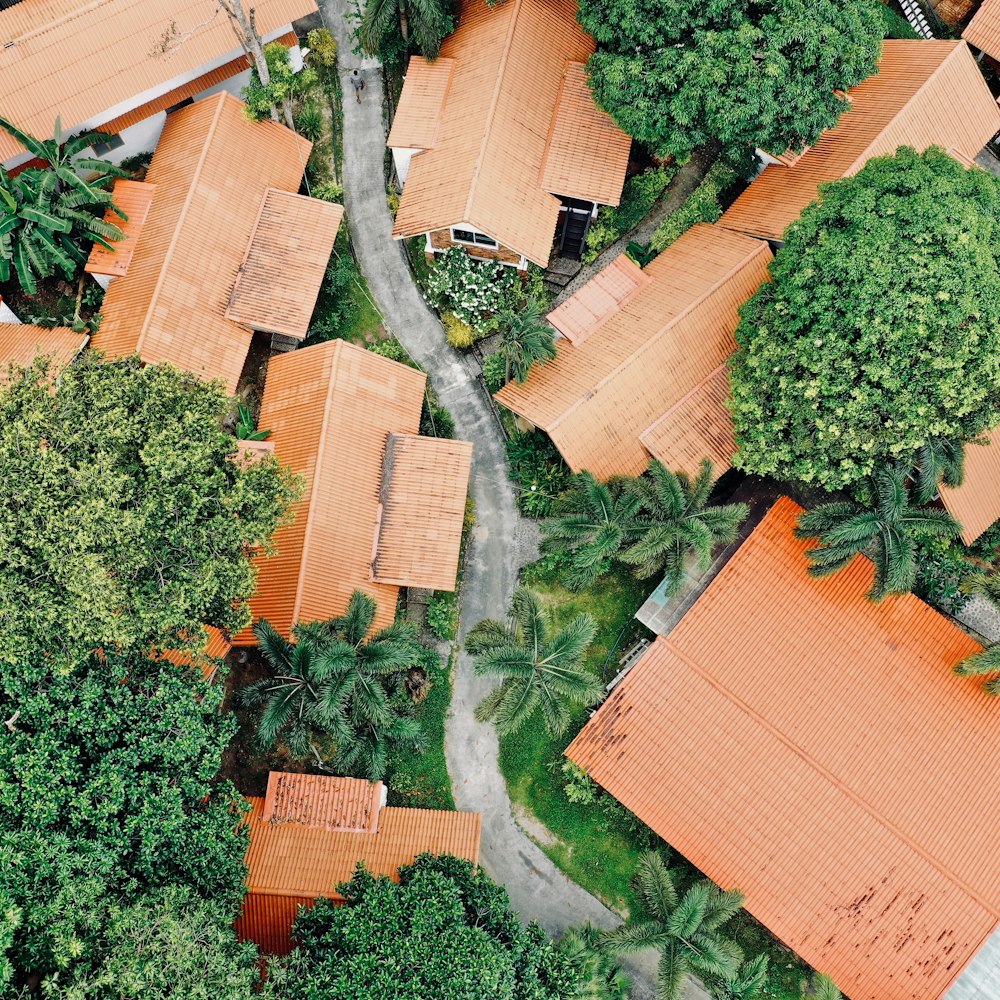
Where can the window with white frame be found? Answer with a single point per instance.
(473, 238)
(109, 143)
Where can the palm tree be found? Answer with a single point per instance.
(684, 928)
(676, 523)
(940, 460)
(525, 340)
(539, 670)
(598, 975)
(824, 989)
(429, 19)
(881, 527)
(748, 983)
(984, 664)
(593, 522)
(49, 216)
(337, 679)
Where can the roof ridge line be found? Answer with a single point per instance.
(552, 122)
(683, 399)
(800, 752)
(55, 22)
(642, 348)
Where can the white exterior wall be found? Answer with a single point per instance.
(402, 157)
(6, 316)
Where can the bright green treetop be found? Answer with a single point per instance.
(881, 329)
(124, 523)
(676, 74)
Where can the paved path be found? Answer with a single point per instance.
(502, 540)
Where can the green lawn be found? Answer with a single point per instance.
(598, 844)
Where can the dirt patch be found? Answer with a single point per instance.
(534, 827)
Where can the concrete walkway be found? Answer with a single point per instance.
(502, 541)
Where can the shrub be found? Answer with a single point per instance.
(322, 49)
(639, 195)
(329, 191)
(476, 291)
(702, 205)
(309, 122)
(580, 788)
(495, 371)
(538, 471)
(457, 332)
(442, 614)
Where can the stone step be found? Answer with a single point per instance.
(563, 266)
(557, 280)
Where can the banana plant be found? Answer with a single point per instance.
(245, 429)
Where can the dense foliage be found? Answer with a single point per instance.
(123, 521)
(107, 788)
(761, 73)
(391, 28)
(445, 931)
(478, 292)
(639, 195)
(881, 329)
(283, 87)
(702, 205)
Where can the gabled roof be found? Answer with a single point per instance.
(983, 30)
(331, 409)
(425, 482)
(597, 400)
(815, 750)
(134, 198)
(88, 61)
(212, 168)
(285, 262)
(505, 118)
(976, 503)
(926, 93)
(21, 343)
(343, 805)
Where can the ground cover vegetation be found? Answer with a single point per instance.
(640, 193)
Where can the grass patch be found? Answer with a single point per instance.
(598, 844)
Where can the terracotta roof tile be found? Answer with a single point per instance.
(21, 343)
(344, 805)
(421, 104)
(212, 168)
(598, 300)
(595, 400)
(794, 740)
(926, 93)
(983, 30)
(330, 409)
(285, 262)
(976, 503)
(587, 153)
(424, 487)
(216, 648)
(485, 169)
(49, 50)
(134, 198)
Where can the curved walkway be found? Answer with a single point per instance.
(502, 540)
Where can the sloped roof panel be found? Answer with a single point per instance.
(976, 503)
(21, 343)
(421, 104)
(345, 805)
(983, 30)
(134, 198)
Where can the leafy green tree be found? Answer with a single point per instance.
(937, 461)
(685, 929)
(600, 977)
(123, 522)
(526, 339)
(170, 945)
(50, 216)
(882, 525)
(283, 86)
(428, 21)
(541, 669)
(679, 75)
(336, 679)
(881, 329)
(107, 788)
(445, 930)
(676, 523)
(592, 524)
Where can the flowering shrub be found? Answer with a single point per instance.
(477, 292)
(457, 332)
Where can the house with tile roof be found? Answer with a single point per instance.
(383, 506)
(983, 31)
(498, 142)
(21, 343)
(120, 66)
(925, 93)
(976, 503)
(219, 244)
(309, 833)
(641, 368)
(816, 750)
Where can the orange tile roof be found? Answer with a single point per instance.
(597, 399)
(417, 122)
(290, 864)
(976, 503)
(598, 300)
(49, 50)
(495, 127)
(983, 30)
(345, 805)
(21, 343)
(330, 409)
(815, 750)
(216, 648)
(285, 262)
(925, 93)
(134, 198)
(212, 168)
(425, 482)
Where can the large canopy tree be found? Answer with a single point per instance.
(124, 522)
(881, 329)
(107, 788)
(676, 74)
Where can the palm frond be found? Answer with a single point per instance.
(655, 884)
